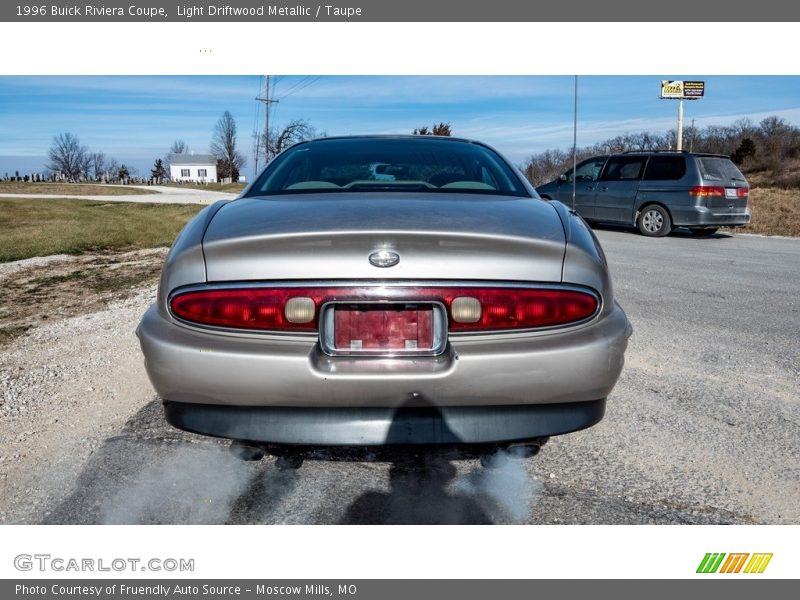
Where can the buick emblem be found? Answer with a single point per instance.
(384, 258)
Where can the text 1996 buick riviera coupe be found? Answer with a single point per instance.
(389, 290)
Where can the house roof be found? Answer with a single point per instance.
(192, 159)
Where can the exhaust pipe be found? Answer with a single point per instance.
(526, 449)
(247, 451)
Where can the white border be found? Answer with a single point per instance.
(405, 48)
(372, 552)
(399, 48)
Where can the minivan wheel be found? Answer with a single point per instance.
(703, 231)
(654, 221)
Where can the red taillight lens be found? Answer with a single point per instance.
(500, 308)
(514, 308)
(707, 190)
(257, 308)
(742, 192)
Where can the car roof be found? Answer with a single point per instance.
(444, 138)
(670, 152)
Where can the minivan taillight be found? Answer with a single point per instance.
(707, 190)
(469, 309)
(715, 190)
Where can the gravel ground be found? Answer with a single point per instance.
(703, 426)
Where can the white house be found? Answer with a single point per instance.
(193, 167)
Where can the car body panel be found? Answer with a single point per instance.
(189, 365)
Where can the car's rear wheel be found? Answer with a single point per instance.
(703, 231)
(654, 221)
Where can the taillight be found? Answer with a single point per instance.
(519, 308)
(469, 308)
(707, 190)
(250, 308)
(742, 192)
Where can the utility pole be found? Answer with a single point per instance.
(267, 105)
(574, 142)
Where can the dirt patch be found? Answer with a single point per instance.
(45, 291)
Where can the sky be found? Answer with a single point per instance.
(136, 118)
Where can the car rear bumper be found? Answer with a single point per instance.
(701, 216)
(194, 366)
(377, 426)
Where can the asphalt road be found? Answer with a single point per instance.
(703, 426)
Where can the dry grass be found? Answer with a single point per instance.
(63, 226)
(70, 189)
(775, 211)
(75, 286)
(233, 188)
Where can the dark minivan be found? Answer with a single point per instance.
(657, 191)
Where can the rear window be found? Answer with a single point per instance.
(389, 164)
(665, 168)
(717, 168)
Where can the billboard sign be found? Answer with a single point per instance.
(682, 90)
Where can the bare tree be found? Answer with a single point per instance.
(97, 165)
(772, 146)
(111, 169)
(223, 146)
(68, 156)
(177, 147)
(293, 132)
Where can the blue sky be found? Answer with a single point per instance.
(135, 119)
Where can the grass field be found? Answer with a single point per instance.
(233, 188)
(70, 189)
(775, 211)
(64, 226)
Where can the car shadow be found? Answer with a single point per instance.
(418, 495)
(679, 232)
(151, 473)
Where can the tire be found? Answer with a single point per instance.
(703, 231)
(654, 221)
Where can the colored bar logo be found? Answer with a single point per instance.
(719, 562)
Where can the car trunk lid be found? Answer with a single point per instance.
(437, 236)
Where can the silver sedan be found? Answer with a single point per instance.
(388, 290)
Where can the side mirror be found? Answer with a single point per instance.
(562, 177)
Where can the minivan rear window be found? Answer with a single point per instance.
(718, 168)
(665, 168)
